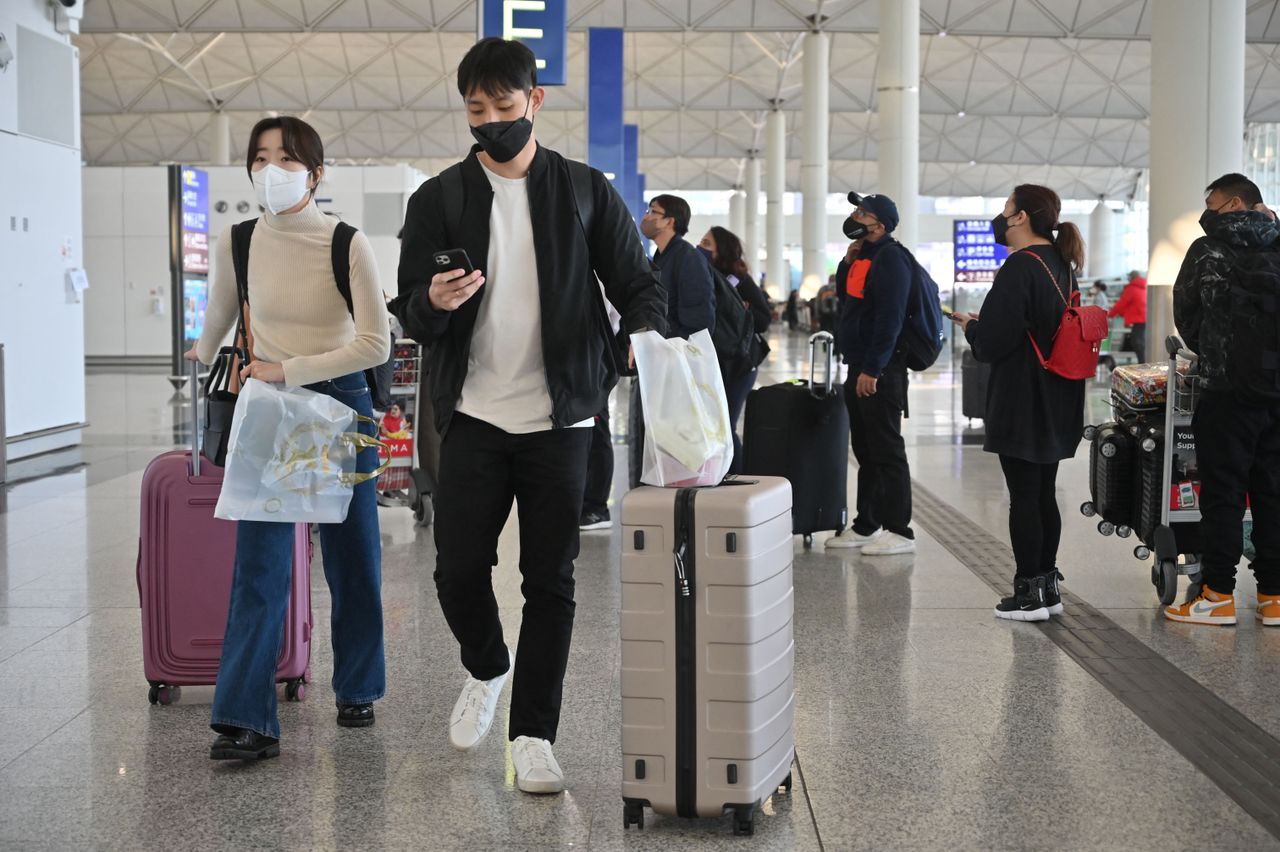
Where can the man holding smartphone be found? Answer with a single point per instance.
(521, 359)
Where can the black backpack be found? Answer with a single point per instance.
(922, 336)
(1253, 349)
(734, 335)
(379, 377)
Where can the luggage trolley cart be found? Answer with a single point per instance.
(395, 482)
(1175, 540)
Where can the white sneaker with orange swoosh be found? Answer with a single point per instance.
(1204, 606)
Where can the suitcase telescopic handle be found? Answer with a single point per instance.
(195, 418)
(827, 342)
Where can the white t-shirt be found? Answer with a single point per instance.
(506, 383)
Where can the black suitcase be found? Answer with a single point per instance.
(1149, 493)
(800, 430)
(974, 375)
(1112, 473)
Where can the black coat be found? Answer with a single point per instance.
(1032, 414)
(577, 345)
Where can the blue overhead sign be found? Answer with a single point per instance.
(540, 24)
(604, 101)
(978, 255)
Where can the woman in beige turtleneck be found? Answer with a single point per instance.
(303, 335)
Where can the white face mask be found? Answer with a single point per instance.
(280, 189)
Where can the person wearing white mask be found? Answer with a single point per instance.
(303, 332)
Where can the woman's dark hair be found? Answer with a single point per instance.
(729, 258)
(301, 141)
(676, 208)
(496, 66)
(1043, 207)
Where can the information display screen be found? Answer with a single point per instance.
(978, 255)
(195, 220)
(195, 301)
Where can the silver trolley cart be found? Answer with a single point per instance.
(395, 483)
(1166, 514)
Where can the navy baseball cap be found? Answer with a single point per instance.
(880, 206)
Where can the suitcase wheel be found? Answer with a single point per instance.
(1088, 509)
(162, 693)
(1165, 577)
(423, 510)
(633, 814)
(744, 821)
(296, 689)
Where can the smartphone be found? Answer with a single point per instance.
(447, 261)
(947, 312)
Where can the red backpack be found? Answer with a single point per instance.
(1079, 337)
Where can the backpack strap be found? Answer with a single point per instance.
(1072, 302)
(241, 235)
(340, 257)
(453, 199)
(580, 179)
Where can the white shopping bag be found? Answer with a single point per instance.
(291, 457)
(687, 441)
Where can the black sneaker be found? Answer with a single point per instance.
(595, 521)
(244, 744)
(1052, 595)
(1027, 602)
(355, 715)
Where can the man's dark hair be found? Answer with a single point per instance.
(1236, 185)
(496, 66)
(677, 208)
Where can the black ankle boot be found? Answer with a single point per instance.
(1052, 595)
(243, 744)
(1027, 602)
(355, 715)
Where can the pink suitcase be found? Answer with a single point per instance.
(185, 562)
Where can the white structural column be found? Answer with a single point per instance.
(220, 144)
(814, 182)
(899, 94)
(751, 214)
(1197, 74)
(736, 212)
(775, 144)
(1100, 250)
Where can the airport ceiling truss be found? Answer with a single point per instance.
(1011, 90)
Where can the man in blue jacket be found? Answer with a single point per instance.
(872, 288)
(686, 276)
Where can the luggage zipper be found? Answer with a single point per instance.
(686, 657)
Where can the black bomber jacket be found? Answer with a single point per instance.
(577, 341)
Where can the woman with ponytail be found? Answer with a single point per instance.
(1034, 417)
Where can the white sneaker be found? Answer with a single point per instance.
(473, 712)
(890, 544)
(536, 767)
(850, 539)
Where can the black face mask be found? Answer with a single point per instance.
(504, 140)
(1000, 228)
(853, 229)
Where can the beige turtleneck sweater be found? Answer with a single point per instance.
(298, 317)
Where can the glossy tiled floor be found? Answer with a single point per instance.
(922, 723)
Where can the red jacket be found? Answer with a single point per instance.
(1132, 304)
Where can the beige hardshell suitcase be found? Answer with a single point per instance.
(708, 689)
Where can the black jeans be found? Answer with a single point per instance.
(875, 430)
(1138, 340)
(1035, 524)
(737, 390)
(1238, 451)
(599, 466)
(482, 469)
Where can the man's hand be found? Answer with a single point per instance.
(963, 320)
(631, 358)
(866, 385)
(263, 372)
(449, 290)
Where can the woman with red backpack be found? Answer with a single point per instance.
(1034, 415)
